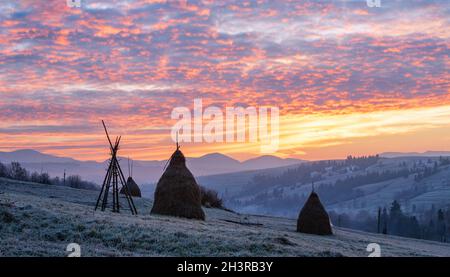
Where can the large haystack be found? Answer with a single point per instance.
(313, 218)
(177, 192)
(133, 188)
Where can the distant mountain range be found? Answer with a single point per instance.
(146, 172)
(143, 171)
(32, 156)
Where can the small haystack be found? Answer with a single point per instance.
(133, 188)
(177, 192)
(313, 218)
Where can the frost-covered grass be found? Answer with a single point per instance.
(40, 220)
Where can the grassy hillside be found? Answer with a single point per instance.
(40, 220)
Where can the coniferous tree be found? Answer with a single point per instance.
(395, 218)
(379, 220)
(385, 217)
(441, 226)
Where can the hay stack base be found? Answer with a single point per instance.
(313, 218)
(177, 192)
(133, 188)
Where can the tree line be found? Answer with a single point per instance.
(15, 171)
(433, 224)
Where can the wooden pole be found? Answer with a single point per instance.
(108, 184)
(102, 189)
(113, 176)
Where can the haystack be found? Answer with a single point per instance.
(133, 188)
(313, 218)
(177, 192)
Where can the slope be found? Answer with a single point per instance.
(40, 220)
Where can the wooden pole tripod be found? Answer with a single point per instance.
(114, 176)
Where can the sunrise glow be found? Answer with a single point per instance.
(348, 79)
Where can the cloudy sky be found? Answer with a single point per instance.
(348, 79)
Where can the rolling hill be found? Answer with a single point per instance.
(355, 188)
(41, 220)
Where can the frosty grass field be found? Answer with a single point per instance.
(41, 220)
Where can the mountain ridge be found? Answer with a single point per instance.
(145, 171)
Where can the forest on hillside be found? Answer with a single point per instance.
(433, 224)
(278, 194)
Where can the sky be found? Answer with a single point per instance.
(348, 79)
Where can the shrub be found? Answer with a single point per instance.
(3, 170)
(210, 198)
(6, 216)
